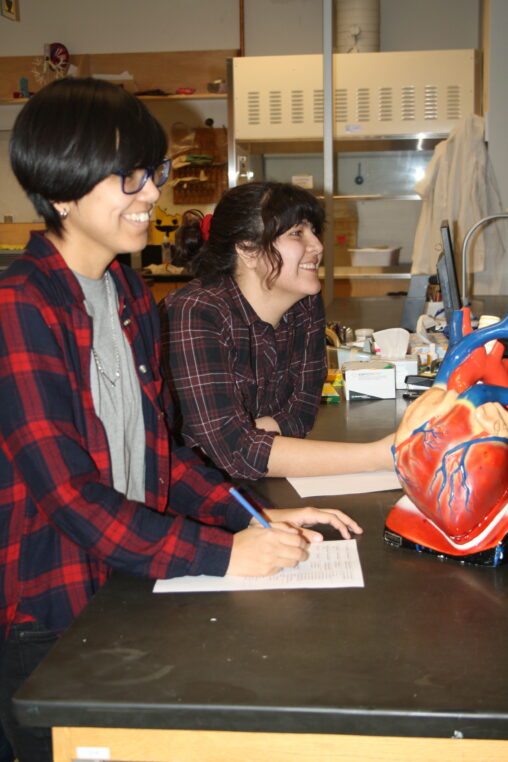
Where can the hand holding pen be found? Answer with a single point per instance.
(256, 552)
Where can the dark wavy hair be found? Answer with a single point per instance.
(252, 216)
(75, 132)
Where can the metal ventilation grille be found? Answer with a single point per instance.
(408, 103)
(341, 110)
(374, 94)
(363, 104)
(297, 106)
(275, 106)
(318, 106)
(385, 104)
(253, 107)
(430, 102)
(453, 102)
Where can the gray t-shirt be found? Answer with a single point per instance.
(115, 387)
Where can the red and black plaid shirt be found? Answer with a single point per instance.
(63, 527)
(226, 367)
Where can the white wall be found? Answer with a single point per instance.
(13, 201)
(125, 26)
(283, 27)
(429, 24)
(271, 26)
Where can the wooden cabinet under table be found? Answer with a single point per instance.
(412, 666)
(129, 745)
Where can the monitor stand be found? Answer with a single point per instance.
(414, 304)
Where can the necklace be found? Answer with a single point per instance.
(100, 367)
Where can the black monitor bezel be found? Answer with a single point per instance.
(447, 274)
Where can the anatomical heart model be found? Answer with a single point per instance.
(454, 473)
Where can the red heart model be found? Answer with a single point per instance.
(454, 473)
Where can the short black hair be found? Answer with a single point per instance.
(75, 132)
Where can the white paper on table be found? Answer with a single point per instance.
(333, 563)
(345, 484)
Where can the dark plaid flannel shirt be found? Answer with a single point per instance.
(226, 367)
(63, 527)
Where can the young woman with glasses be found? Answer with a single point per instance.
(87, 480)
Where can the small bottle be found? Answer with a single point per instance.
(243, 175)
(166, 250)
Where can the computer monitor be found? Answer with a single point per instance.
(447, 275)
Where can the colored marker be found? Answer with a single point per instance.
(249, 507)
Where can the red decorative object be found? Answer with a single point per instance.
(204, 224)
(59, 57)
(54, 64)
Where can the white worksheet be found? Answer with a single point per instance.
(345, 484)
(334, 563)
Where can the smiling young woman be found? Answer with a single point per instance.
(244, 343)
(90, 481)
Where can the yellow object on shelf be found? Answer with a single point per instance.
(331, 388)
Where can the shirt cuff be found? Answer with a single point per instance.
(212, 559)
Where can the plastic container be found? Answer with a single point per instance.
(375, 256)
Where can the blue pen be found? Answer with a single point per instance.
(249, 507)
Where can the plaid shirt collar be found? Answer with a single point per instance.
(51, 262)
(249, 315)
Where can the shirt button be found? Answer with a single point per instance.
(127, 322)
(161, 480)
(142, 368)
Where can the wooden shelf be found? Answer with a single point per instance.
(352, 144)
(165, 70)
(370, 271)
(156, 98)
(193, 97)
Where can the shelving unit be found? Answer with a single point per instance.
(164, 70)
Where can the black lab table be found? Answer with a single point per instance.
(413, 666)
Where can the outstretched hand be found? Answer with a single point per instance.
(307, 517)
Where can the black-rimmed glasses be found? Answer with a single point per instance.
(135, 180)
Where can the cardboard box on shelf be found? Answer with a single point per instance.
(375, 256)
